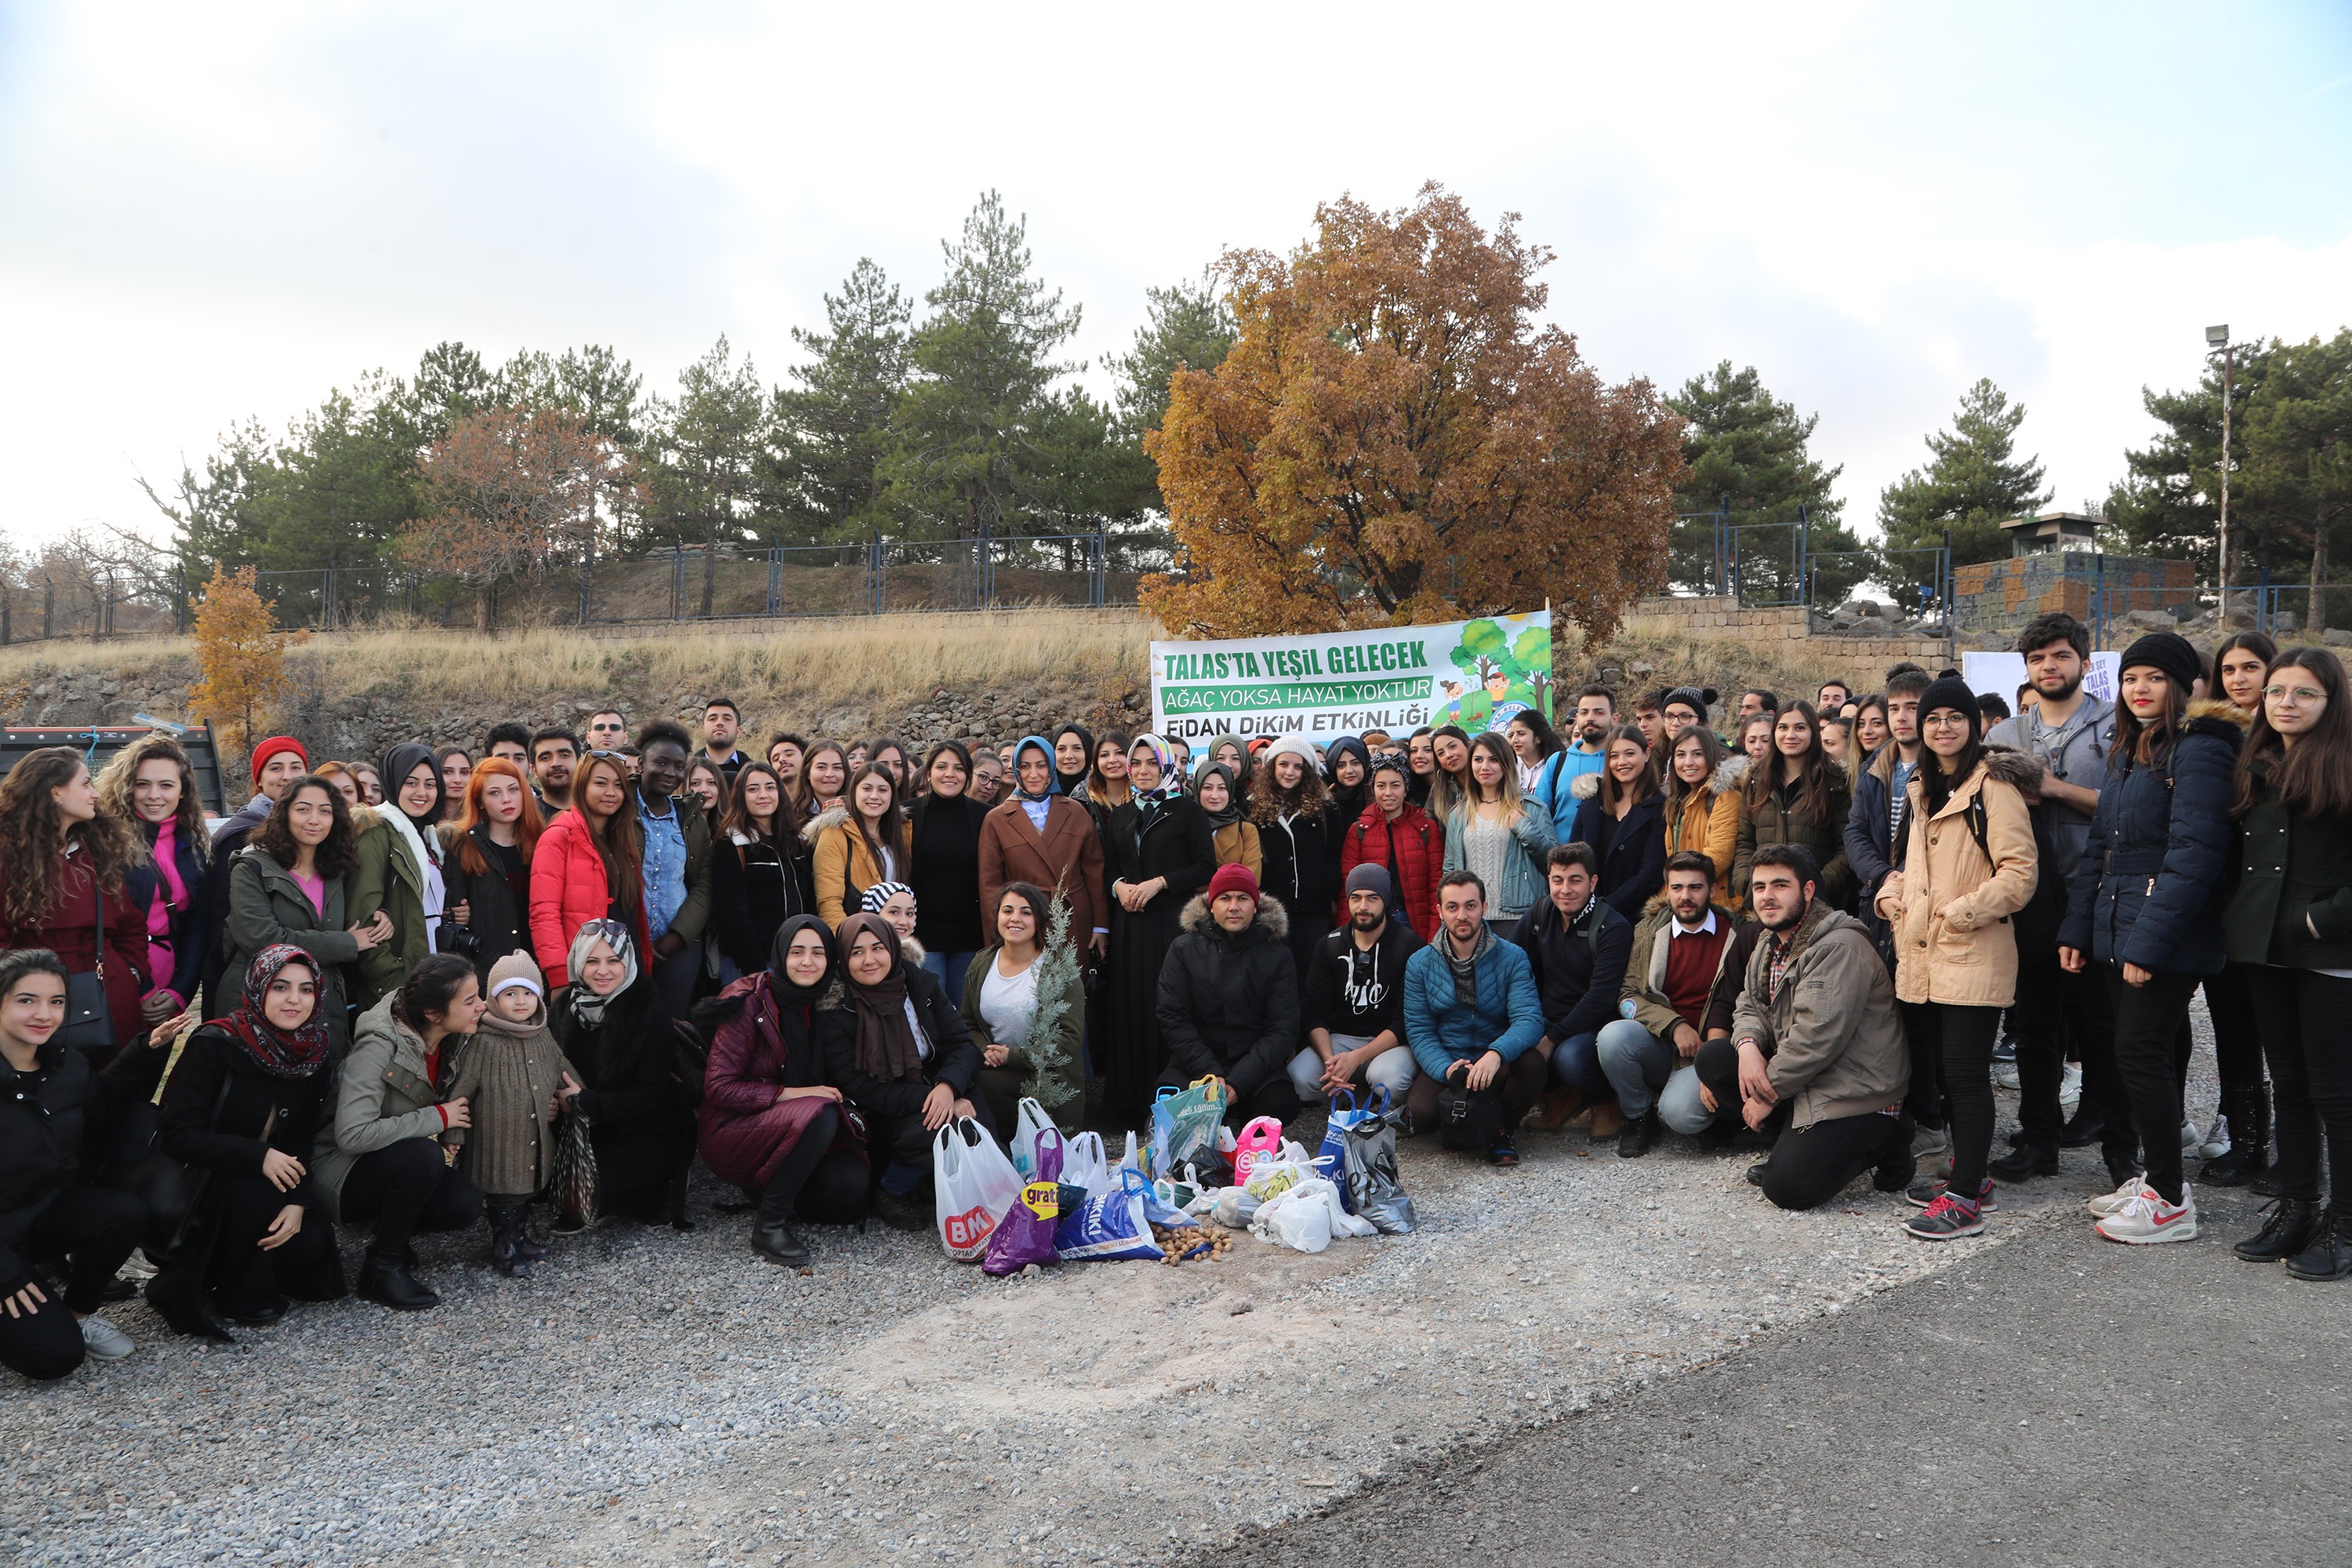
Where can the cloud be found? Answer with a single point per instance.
(212, 215)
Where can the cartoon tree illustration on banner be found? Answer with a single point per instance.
(1504, 674)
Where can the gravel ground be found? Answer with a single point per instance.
(656, 1398)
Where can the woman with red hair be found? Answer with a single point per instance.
(488, 868)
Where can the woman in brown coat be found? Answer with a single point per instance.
(1041, 837)
(1968, 863)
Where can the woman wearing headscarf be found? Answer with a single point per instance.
(1348, 775)
(1230, 749)
(1216, 790)
(897, 1049)
(1040, 837)
(615, 1028)
(1297, 840)
(244, 1110)
(1073, 759)
(400, 870)
(1160, 851)
(770, 1122)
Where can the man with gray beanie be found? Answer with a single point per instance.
(1352, 1003)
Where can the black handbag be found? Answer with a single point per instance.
(90, 1024)
(171, 1192)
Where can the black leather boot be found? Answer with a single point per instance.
(2086, 1129)
(527, 1250)
(506, 1223)
(2250, 1135)
(383, 1278)
(2294, 1225)
(2329, 1256)
(2024, 1164)
(779, 1243)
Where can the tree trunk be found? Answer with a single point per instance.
(2316, 621)
(710, 572)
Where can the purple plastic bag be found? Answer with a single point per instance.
(1025, 1233)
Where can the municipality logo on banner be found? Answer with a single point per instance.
(1476, 674)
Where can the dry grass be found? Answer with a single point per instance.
(865, 660)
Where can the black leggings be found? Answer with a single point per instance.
(2238, 1055)
(2302, 1016)
(2148, 1025)
(1960, 1040)
(95, 1230)
(406, 1187)
(816, 1181)
(243, 1273)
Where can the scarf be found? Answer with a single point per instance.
(1149, 801)
(275, 1051)
(1071, 783)
(1350, 798)
(586, 1005)
(1233, 811)
(416, 832)
(780, 986)
(885, 1036)
(1465, 969)
(171, 893)
(1053, 774)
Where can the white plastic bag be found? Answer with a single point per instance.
(975, 1184)
(1086, 1164)
(1268, 1177)
(1131, 1160)
(1232, 1208)
(1293, 1219)
(1028, 1121)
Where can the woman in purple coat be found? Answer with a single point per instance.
(770, 1122)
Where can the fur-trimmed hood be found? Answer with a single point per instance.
(1584, 786)
(816, 825)
(2022, 770)
(1271, 917)
(1730, 773)
(2218, 710)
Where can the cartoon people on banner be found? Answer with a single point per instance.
(1506, 666)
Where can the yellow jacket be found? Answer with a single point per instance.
(845, 867)
(1237, 845)
(1708, 823)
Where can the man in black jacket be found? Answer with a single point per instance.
(1577, 946)
(1228, 998)
(1352, 1001)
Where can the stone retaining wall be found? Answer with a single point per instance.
(1860, 661)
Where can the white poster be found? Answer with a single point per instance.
(1476, 674)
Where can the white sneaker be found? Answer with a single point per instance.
(2070, 1088)
(2147, 1219)
(2107, 1203)
(2217, 1139)
(2190, 1137)
(104, 1341)
(2006, 1077)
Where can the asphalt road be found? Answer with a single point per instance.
(2057, 1401)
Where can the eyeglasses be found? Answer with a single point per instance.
(1944, 721)
(2300, 694)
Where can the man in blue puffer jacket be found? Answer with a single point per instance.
(2144, 910)
(1472, 1017)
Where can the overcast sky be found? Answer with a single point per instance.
(214, 212)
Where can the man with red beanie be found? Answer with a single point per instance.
(278, 761)
(1228, 998)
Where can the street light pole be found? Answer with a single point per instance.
(2219, 337)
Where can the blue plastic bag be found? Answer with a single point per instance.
(1109, 1228)
(1331, 1160)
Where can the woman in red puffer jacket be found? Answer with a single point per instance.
(1398, 834)
(587, 866)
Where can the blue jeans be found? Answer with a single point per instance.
(948, 969)
(1649, 1074)
(1576, 1064)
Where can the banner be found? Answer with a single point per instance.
(1476, 674)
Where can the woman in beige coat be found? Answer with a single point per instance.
(1967, 865)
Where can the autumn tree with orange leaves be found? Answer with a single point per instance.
(1394, 439)
(513, 491)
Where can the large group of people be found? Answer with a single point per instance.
(448, 989)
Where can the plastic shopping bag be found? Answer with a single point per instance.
(1027, 1121)
(1025, 1233)
(1185, 1121)
(1108, 1228)
(1269, 1178)
(975, 1184)
(1294, 1219)
(1131, 1160)
(1262, 1138)
(1088, 1165)
(1331, 1159)
(1373, 1190)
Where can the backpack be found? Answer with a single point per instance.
(2036, 924)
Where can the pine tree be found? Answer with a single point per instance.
(823, 477)
(1748, 451)
(1974, 482)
